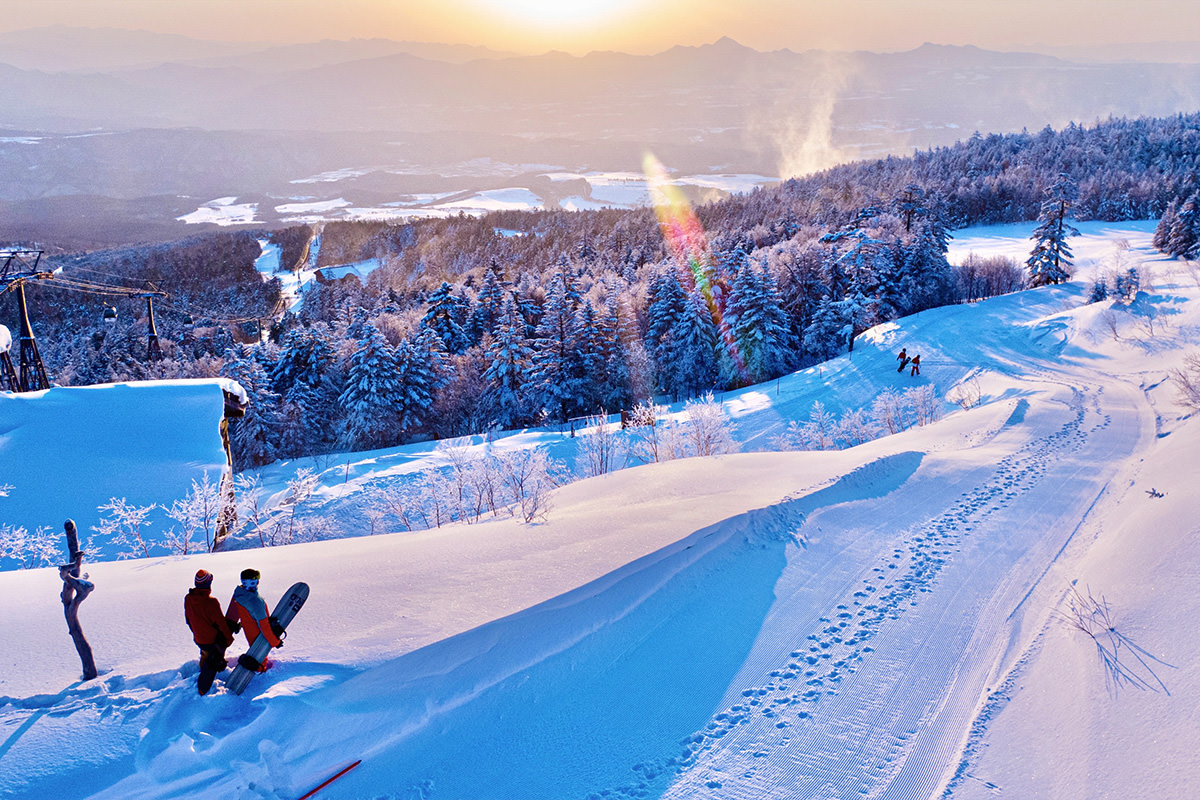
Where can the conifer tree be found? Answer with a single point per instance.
(417, 381)
(371, 396)
(446, 317)
(488, 302)
(668, 302)
(557, 369)
(1050, 260)
(509, 357)
(691, 353)
(759, 324)
(1162, 231)
(1183, 238)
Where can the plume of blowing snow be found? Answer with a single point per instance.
(803, 133)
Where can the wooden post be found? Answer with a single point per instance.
(75, 591)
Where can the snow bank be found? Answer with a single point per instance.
(68, 450)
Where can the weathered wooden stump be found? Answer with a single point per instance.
(75, 590)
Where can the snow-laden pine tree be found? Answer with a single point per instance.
(304, 355)
(667, 303)
(558, 374)
(1050, 260)
(488, 302)
(760, 326)
(509, 356)
(415, 388)
(1162, 231)
(691, 351)
(371, 397)
(447, 316)
(1183, 238)
(614, 333)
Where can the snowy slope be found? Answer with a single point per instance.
(875, 622)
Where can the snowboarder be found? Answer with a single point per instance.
(903, 359)
(249, 613)
(210, 631)
(916, 366)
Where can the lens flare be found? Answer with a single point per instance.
(688, 245)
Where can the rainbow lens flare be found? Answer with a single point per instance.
(688, 245)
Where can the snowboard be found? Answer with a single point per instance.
(284, 611)
(903, 364)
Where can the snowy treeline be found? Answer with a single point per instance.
(462, 329)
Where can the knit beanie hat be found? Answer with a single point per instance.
(249, 575)
(204, 578)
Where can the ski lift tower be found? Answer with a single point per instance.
(153, 351)
(17, 267)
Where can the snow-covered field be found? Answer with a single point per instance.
(606, 190)
(887, 621)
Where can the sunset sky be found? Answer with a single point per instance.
(577, 26)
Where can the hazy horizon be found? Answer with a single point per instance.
(633, 26)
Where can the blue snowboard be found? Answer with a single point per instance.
(285, 610)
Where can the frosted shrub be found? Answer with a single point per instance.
(289, 529)
(889, 410)
(819, 433)
(966, 394)
(399, 502)
(474, 483)
(197, 511)
(461, 493)
(252, 515)
(923, 404)
(598, 447)
(529, 476)
(789, 439)
(708, 430)
(856, 427)
(644, 432)
(28, 550)
(123, 524)
(1187, 381)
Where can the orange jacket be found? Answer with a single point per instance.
(250, 610)
(203, 615)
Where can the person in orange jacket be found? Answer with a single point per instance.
(210, 631)
(249, 612)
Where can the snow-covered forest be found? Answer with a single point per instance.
(515, 319)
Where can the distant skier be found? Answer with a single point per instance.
(916, 365)
(903, 358)
(249, 613)
(210, 631)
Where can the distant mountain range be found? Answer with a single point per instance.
(193, 121)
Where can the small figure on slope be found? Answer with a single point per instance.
(210, 631)
(249, 613)
(916, 366)
(903, 358)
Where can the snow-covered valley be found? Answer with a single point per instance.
(893, 620)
